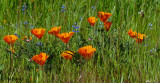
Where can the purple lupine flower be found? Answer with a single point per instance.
(63, 9)
(16, 34)
(39, 43)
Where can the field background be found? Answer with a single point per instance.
(118, 58)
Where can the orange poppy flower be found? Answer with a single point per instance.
(140, 37)
(92, 20)
(55, 30)
(26, 38)
(104, 16)
(10, 39)
(67, 55)
(40, 59)
(107, 25)
(38, 32)
(132, 34)
(86, 51)
(65, 37)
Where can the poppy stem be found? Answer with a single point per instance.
(41, 67)
(66, 46)
(11, 61)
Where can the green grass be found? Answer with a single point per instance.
(118, 57)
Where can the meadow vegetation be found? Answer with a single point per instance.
(116, 54)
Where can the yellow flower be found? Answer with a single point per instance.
(4, 21)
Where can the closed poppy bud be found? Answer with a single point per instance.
(40, 59)
(107, 25)
(104, 16)
(55, 30)
(86, 51)
(67, 55)
(38, 32)
(10, 39)
(92, 20)
(65, 37)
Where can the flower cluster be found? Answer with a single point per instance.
(139, 37)
(103, 17)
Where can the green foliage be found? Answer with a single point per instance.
(118, 58)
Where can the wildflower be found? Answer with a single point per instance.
(89, 39)
(92, 20)
(55, 30)
(140, 37)
(67, 54)
(132, 34)
(107, 25)
(24, 7)
(65, 37)
(86, 51)
(4, 21)
(36, 70)
(153, 50)
(80, 18)
(75, 27)
(104, 16)
(16, 34)
(150, 26)
(32, 26)
(93, 8)
(141, 13)
(10, 39)
(39, 43)
(38, 32)
(63, 9)
(27, 38)
(75, 31)
(40, 59)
